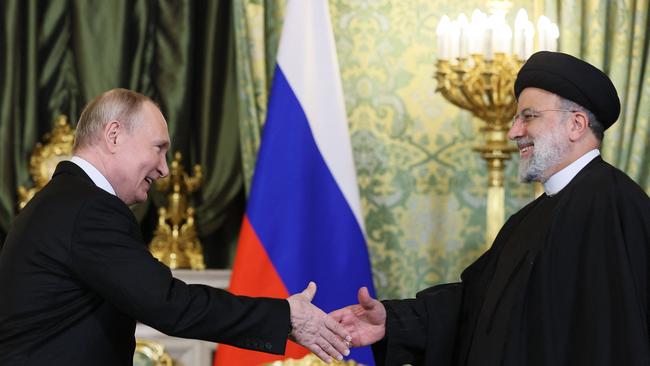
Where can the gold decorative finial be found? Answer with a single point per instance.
(175, 242)
(57, 146)
(311, 360)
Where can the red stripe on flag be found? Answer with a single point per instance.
(253, 274)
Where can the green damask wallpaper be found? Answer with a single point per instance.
(422, 187)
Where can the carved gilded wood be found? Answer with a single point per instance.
(150, 353)
(57, 146)
(311, 360)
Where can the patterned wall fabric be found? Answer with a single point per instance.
(422, 187)
(614, 36)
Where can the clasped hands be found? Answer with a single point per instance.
(330, 336)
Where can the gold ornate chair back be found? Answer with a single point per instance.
(310, 360)
(150, 353)
(57, 146)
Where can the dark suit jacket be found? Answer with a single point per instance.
(75, 276)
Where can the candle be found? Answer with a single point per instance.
(519, 37)
(529, 34)
(477, 32)
(506, 32)
(553, 35)
(453, 37)
(542, 32)
(486, 35)
(441, 34)
(463, 29)
(487, 44)
(491, 37)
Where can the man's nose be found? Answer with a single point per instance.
(163, 169)
(516, 130)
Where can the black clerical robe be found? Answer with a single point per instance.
(565, 283)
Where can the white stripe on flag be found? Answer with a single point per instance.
(307, 56)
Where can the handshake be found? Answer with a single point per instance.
(330, 336)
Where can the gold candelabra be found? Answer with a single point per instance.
(175, 241)
(484, 87)
(478, 61)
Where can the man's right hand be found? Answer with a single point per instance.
(316, 331)
(365, 321)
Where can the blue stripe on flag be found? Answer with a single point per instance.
(300, 214)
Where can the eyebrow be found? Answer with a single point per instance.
(162, 143)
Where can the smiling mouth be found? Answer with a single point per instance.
(148, 180)
(525, 148)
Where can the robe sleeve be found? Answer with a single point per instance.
(421, 330)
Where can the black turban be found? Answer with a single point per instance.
(572, 79)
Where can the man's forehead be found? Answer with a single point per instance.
(153, 116)
(532, 97)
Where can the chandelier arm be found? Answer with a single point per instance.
(477, 90)
(473, 98)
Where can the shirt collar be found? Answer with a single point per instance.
(560, 179)
(94, 174)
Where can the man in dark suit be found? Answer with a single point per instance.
(75, 275)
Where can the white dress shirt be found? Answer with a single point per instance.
(559, 180)
(94, 174)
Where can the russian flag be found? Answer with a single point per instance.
(303, 221)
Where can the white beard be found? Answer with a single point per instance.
(549, 150)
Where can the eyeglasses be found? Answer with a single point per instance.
(528, 115)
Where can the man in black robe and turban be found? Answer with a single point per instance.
(566, 281)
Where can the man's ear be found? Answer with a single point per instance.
(578, 125)
(111, 134)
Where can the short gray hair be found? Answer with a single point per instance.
(595, 125)
(116, 104)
